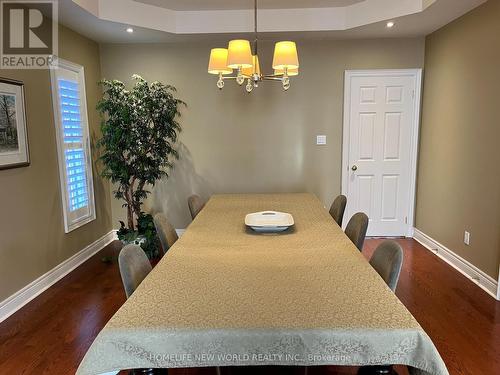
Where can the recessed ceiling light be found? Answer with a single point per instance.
(130, 30)
(390, 24)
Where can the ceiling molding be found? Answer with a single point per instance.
(336, 18)
(245, 4)
(105, 21)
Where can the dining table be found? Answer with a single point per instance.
(224, 295)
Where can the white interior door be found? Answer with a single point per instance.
(380, 143)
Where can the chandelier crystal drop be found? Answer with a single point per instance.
(242, 56)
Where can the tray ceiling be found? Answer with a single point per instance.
(191, 5)
(106, 20)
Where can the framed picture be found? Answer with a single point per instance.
(13, 135)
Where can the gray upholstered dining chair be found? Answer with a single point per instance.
(166, 232)
(134, 267)
(356, 229)
(195, 205)
(337, 209)
(387, 260)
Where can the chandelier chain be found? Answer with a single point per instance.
(255, 23)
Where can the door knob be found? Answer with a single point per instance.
(354, 167)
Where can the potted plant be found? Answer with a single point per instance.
(137, 148)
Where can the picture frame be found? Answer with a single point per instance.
(14, 150)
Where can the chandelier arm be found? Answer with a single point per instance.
(261, 78)
(271, 78)
(235, 77)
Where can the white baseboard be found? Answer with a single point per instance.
(498, 288)
(35, 288)
(478, 277)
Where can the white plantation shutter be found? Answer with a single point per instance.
(73, 146)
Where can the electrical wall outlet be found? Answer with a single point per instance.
(467, 238)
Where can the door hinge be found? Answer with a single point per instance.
(406, 219)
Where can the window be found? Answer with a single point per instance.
(73, 146)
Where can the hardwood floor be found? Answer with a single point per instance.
(51, 334)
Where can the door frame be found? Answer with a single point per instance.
(414, 134)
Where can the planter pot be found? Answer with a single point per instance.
(139, 240)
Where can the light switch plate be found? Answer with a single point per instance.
(467, 238)
(321, 140)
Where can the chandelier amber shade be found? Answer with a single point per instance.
(290, 72)
(218, 62)
(239, 54)
(285, 55)
(254, 69)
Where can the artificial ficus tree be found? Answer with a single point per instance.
(139, 132)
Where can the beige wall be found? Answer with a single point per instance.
(32, 235)
(459, 169)
(262, 142)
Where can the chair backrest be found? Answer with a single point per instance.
(338, 208)
(195, 205)
(134, 267)
(387, 260)
(356, 229)
(166, 232)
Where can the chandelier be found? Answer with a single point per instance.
(240, 56)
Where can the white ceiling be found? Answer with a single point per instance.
(246, 4)
(105, 21)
